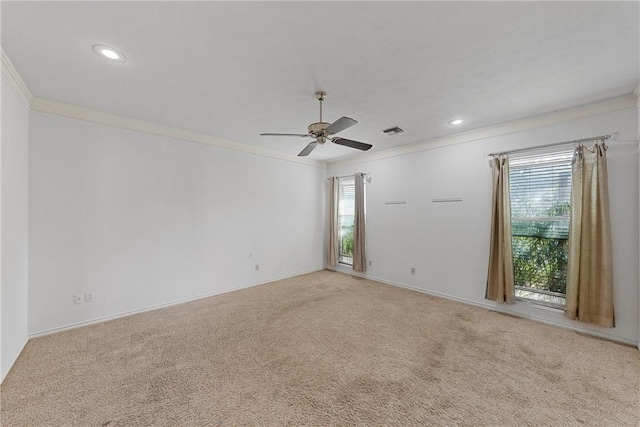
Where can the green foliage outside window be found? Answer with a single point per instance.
(540, 255)
(347, 242)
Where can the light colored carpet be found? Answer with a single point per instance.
(322, 349)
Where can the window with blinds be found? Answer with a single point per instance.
(346, 216)
(540, 188)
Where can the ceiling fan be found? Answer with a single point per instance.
(323, 131)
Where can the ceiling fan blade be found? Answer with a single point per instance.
(339, 125)
(351, 143)
(308, 149)
(284, 134)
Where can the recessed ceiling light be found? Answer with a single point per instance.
(456, 122)
(109, 53)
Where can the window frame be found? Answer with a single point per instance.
(561, 158)
(343, 258)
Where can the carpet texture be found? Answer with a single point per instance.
(322, 349)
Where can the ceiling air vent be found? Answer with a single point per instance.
(393, 131)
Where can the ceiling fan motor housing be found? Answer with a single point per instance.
(317, 129)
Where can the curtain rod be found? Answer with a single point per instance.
(575, 141)
(349, 176)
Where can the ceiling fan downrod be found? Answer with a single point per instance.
(317, 129)
(321, 95)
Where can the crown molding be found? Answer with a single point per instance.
(14, 80)
(80, 113)
(41, 105)
(611, 105)
(10, 74)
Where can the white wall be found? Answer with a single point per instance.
(14, 231)
(144, 220)
(447, 243)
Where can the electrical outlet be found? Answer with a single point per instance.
(90, 297)
(78, 299)
(257, 267)
(370, 263)
(250, 255)
(413, 271)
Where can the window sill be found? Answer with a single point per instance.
(540, 305)
(540, 297)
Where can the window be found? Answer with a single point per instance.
(540, 188)
(346, 216)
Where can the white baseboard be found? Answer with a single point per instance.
(163, 305)
(537, 313)
(523, 310)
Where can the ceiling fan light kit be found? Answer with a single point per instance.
(323, 131)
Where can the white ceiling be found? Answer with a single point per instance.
(235, 69)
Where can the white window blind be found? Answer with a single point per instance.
(541, 194)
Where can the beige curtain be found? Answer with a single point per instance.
(332, 228)
(359, 262)
(500, 282)
(590, 273)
